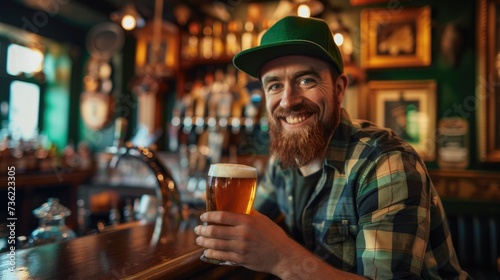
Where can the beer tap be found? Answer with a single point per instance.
(168, 202)
(235, 125)
(175, 126)
(199, 127)
(187, 125)
(249, 125)
(215, 141)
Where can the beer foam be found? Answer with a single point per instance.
(231, 170)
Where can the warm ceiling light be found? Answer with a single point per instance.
(128, 17)
(128, 22)
(338, 38)
(303, 11)
(182, 13)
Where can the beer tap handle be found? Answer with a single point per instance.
(187, 125)
(235, 125)
(249, 125)
(173, 134)
(199, 125)
(121, 125)
(175, 126)
(215, 142)
(193, 158)
(264, 125)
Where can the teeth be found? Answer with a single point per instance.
(294, 119)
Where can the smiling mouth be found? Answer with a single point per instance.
(296, 119)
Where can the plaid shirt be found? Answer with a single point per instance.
(374, 212)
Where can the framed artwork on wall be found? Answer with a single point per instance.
(97, 109)
(409, 109)
(392, 38)
(488, 80)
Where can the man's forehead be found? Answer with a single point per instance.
(292, 64)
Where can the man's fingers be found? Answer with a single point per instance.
(218, 217)
(220, 245)
(224, 217)
(215, 231)
(222, 255)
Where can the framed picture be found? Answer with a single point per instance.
(396, 37)
(488, 80)
(409, 109)
(97, 109)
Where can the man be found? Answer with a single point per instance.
(356, 199)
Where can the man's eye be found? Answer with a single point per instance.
(306, 81)
(274, 87)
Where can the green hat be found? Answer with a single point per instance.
(292, 35)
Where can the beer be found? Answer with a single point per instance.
(231, 187)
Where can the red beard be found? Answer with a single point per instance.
(298, 148)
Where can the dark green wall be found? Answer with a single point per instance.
(456, 84)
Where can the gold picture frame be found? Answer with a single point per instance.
(488, 79)
(409, 109)
(97, 109)
(392, 38)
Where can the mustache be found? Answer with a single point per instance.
(306, 107)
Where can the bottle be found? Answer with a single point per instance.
(453, 149)
(69, 157)
(82, 217)
(174, 126)
(207, 42)
(247, 39)
(233, 45)
(225, 96)
(190, 51)
(121, 125)
(237, 81)
(264, 27)
(218, 45)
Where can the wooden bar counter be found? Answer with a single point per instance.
(123, 252)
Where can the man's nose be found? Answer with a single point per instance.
(290, 97)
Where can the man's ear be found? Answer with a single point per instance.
(341, 85)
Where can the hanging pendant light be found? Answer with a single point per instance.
(128, 17)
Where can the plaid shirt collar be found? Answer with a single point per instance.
(336, 153)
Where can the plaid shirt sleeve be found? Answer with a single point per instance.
(393, 206)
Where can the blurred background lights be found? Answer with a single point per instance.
(303, 11)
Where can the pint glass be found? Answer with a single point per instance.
(230, 187)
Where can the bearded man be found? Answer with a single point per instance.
(357, 200)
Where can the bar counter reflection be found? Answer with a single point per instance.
(123, 252)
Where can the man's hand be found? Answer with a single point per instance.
(257, 243)
(253, 241)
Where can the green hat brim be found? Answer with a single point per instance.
(251, 60)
